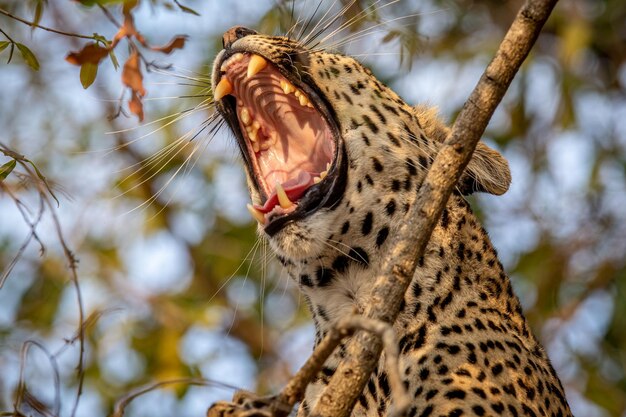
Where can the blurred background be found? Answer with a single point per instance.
(174, 283)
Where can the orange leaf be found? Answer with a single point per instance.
(131, 75)
(128, 30)
(136, 106)
(176, 43)
(91, 53)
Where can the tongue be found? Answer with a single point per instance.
(294, 188)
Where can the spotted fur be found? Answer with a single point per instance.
(466, 349)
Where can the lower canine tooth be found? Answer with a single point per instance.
(256, 214)
(283, 200)
(256, 64)
(223, 88)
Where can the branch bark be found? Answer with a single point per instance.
(363, 352)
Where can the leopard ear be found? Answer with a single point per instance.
(487, 172)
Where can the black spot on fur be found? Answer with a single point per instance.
(393, 139)
(324, 276)
(382, 236)
(368, 221)
(340, 264)
(455, 394)
(305, 280)
(359, 255)
(370, 124)
(378, 167)
(445, 218)
(381, 117)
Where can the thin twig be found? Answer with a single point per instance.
(32, 234)
(46, 193)
(122, 403)
(22, 390)
(33, 24)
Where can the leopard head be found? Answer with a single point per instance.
(328, 149)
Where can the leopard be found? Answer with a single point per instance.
(334, 159)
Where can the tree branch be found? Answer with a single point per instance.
(35, 25)
(363, 352)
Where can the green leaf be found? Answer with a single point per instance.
(186, 9)
(88, 72)
(37, 14)
(91, 3)
(43, 179)
(3, 45)
(28, 56)
(6, 169)
(11, 52)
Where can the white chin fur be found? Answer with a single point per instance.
(304, 238)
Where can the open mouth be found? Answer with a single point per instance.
(286, 135)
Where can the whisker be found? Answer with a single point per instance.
(176, 118)
(159, 160)
(246, 258)
(331, 21)
(359, 16)
(306, 40)
(369, 31)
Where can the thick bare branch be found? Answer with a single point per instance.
(363, 352)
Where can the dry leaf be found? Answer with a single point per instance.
(136, 106)
(131, 75)
(91, 53)
(128, 30)
(177, 42)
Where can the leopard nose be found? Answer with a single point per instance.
(234, 33)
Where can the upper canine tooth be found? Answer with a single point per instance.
(256, 214)
(256, 64)
(245, 117)
(223, 88)
(283, 200)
